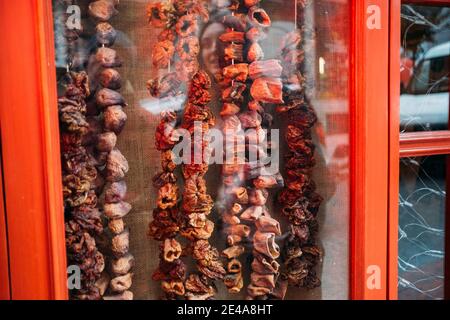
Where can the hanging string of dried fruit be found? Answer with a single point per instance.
(299, 200)
(107, 121)
(246, 26)
(179, 44)
(83, 219)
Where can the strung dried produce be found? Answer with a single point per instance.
(102, 10)
(165, 224)
(178, 46)
(197, 203)
(299, 200)
(83, 221)
(111, 120)
(80, 177)
(234, 197)
(263, 80)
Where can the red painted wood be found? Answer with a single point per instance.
(30, 142)
(369, 143)
(4, 260)
(394, 145)
(52, 165)
(29, 132)
(416, 144)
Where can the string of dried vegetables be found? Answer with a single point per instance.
(167, 88)
(197, 204)
(247, 184)
(107, 122)
(266, 90)
(234, 196)
(299, 199)
(79, 175)
(179, 46)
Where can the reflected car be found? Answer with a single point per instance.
(424, 104)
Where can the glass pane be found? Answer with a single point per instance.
(424, 73)
(421, 236)
(116, 135)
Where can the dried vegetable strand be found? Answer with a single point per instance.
(79, 175)
(299, 200)
(234, 197)
(165, 224)
(84, 219)
(178, 45)
(108, 121)
(266, 90)
(197, 204)
(246, 184)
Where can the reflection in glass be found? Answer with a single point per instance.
(328, 69)
(421, 228)
(424, 73)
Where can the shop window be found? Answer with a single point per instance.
(425, 59)
(123, 42)
(421, 242)
(424, 148)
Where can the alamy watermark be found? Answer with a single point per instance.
(74, 17)
(373, 280)
(74, 277)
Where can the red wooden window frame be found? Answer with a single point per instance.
(30, 140)
(4, 261)
(30, 152)
(407, 145)
(370, 57)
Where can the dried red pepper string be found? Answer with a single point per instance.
(165, 224)
(197, 204)
(181, 43)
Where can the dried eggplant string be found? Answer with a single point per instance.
(178, 43)
(246, 183)
(299, 200)
(266, 90)
(233, 196)
(83, 219)
(108, 121)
